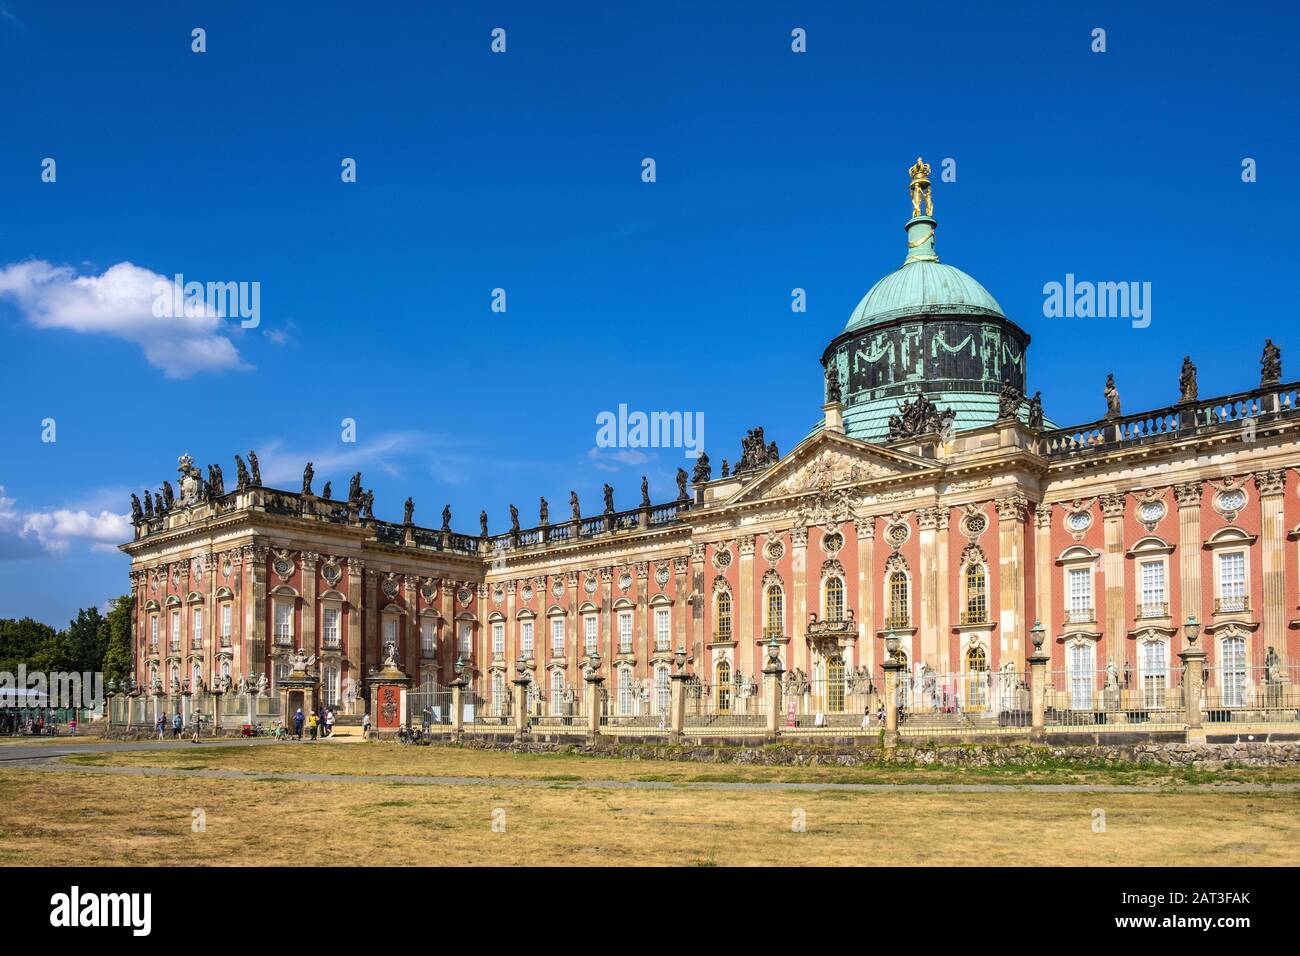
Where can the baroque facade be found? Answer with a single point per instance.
(933, 503)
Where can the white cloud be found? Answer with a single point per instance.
(25, 534)
(120, 303)
(606, 459)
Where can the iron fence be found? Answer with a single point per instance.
(1250, 694)
(1080, 697)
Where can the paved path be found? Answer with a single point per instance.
(431, 781)
(42, 751)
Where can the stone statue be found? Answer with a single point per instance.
(681, 484)
(1112, 674)
(1111, 394)
(1187, 381)
(390, 656)
(726, 469)
(446, 517)
(327, 491)
(242, 480)
(176, 684)
(514, 519)
(354, 489)
(832, 382)
(1009, 402)
(148, 504)
(702, 470)
(645, 492)
(262, 683)
(216, 483)
(408, 511)
(1274, 672)
(544, 513)
(482, 523)
(169, 496)
(919, 417)
(609, 498)
(796, 683)
(773, 455)
(307, 474)
(368, 508)
(299, 662)
(256, 467)
(137, 515)
(1270, 365)
(573, 505)
(1036, 411)
(1128, 674)
(920, 188)
(755, 452)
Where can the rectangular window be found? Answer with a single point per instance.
(526, 638)
(390, 631)
(464, 640)
(625, 632)
(625, 691)
(498, 640)
(662, 692)
(283, 623)
(1081, 676)
(1153, 589)
(1079, 583)
(427, 645)
(1232, 581)
(331, 685)
(557, 636)
(1154, 677)
(330, 626)
(589, 638)
(196, 632)
(153, 631)
(176, 630)
(1232, 671)
(663, 638)
(225, 623)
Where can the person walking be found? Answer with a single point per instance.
(365, 724)
(177, 724)
(329, 723)
(194, 739)
(162, 727)
(312, 725)
(297, 723)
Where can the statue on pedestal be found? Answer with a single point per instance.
(242, 481)
(256, 467)
(609, 498)
(645, 492)
(1111, 394)
(1187, 381)
(703, 472)
(573, 506)
(514, 519)
(482, 523)
(446, 517)
(307, 474)
(544, 513)
(408, 511)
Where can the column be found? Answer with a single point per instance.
(1193, 658)
(926, 521)
(943, 611)
(744, 622)
(371, 651)
(1272, 485)
(696, 565)
(594, 680)
(521, 683)
(772, 678)
(677, 702)
(1189, 550)
(1043, 565)
(892, 667)
(799, 599)
(255, 611)
(866, 591)
(1112, 511)
(1011, 577)
(308, 638)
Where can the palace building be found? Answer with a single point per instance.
(933, 503)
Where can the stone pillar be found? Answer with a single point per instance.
(772, 675)
(943, 610)
(255, 626)
(677, 704)
(1271, 485)
(521, 682)
(1193, 659)
(743, 624)
(866, 592)
(1189, 550)
(458, 707)
(1112, 511)
(799, 596)
(1038, 691)
(1043, 565)
(308, 640)
(594, 681)
(926, 521)
(892, 668)
(1011, 578)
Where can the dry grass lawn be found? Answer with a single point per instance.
(71, 818)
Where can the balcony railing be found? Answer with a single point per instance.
(284, 640)
(898, 621)
(1232, 605)
(225, 640)
(975, 616)
(1153, 609)
(196, 643)
(331, 641)
(773, 630)
(722, 635)
(1080, 615)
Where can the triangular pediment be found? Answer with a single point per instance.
(828, 461)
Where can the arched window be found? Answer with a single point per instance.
(330, 684)
(176, 675)
(775, 612)
(499, 693)
(724, 615)
(626, 692)
(976, 595)
(196, 675)
(899, 603)
(1232, 671)
(723, 674)
(977, 684)
(557, 692)
(1154, 677)
(835, 686)
(834, 605)
(1081, 663)
(662, 692)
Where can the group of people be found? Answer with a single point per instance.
(317, 725)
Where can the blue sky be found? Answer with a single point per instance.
(522, 171)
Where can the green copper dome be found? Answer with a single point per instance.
(923, 286)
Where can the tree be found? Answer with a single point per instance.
(25, 641)
(85, 642)
(118, 657)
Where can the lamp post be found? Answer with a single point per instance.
(677, 694)
(891, 666)
(521, 682)
(458, 696)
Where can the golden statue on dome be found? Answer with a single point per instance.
(920, 188)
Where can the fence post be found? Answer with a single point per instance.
(1037, 682)
(594, 680)
(891, 667)
(773, 672)
(457, 707)
(1193, 659)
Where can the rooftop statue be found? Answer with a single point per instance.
(137, 515)
(702, 470)
(755, 452)
(514, 519)
(408, 511)
(645, 492)
(307, 474)
(1270, 365)
(919, 417)
(368, 505)
(682, 478)
(216, 481)
(1187, 381)
(169, 496)
(354, 489)
(726, 469)
(544, 513)
(242, 480)
(327, 492)
(1111, 394)
(609, 498)
(573, 505)
(1036, 411)
(482, 523)
(833, 393)
(1009, 401)
(446, 517)
(920, 188)
(255, 466)
(148, 504)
